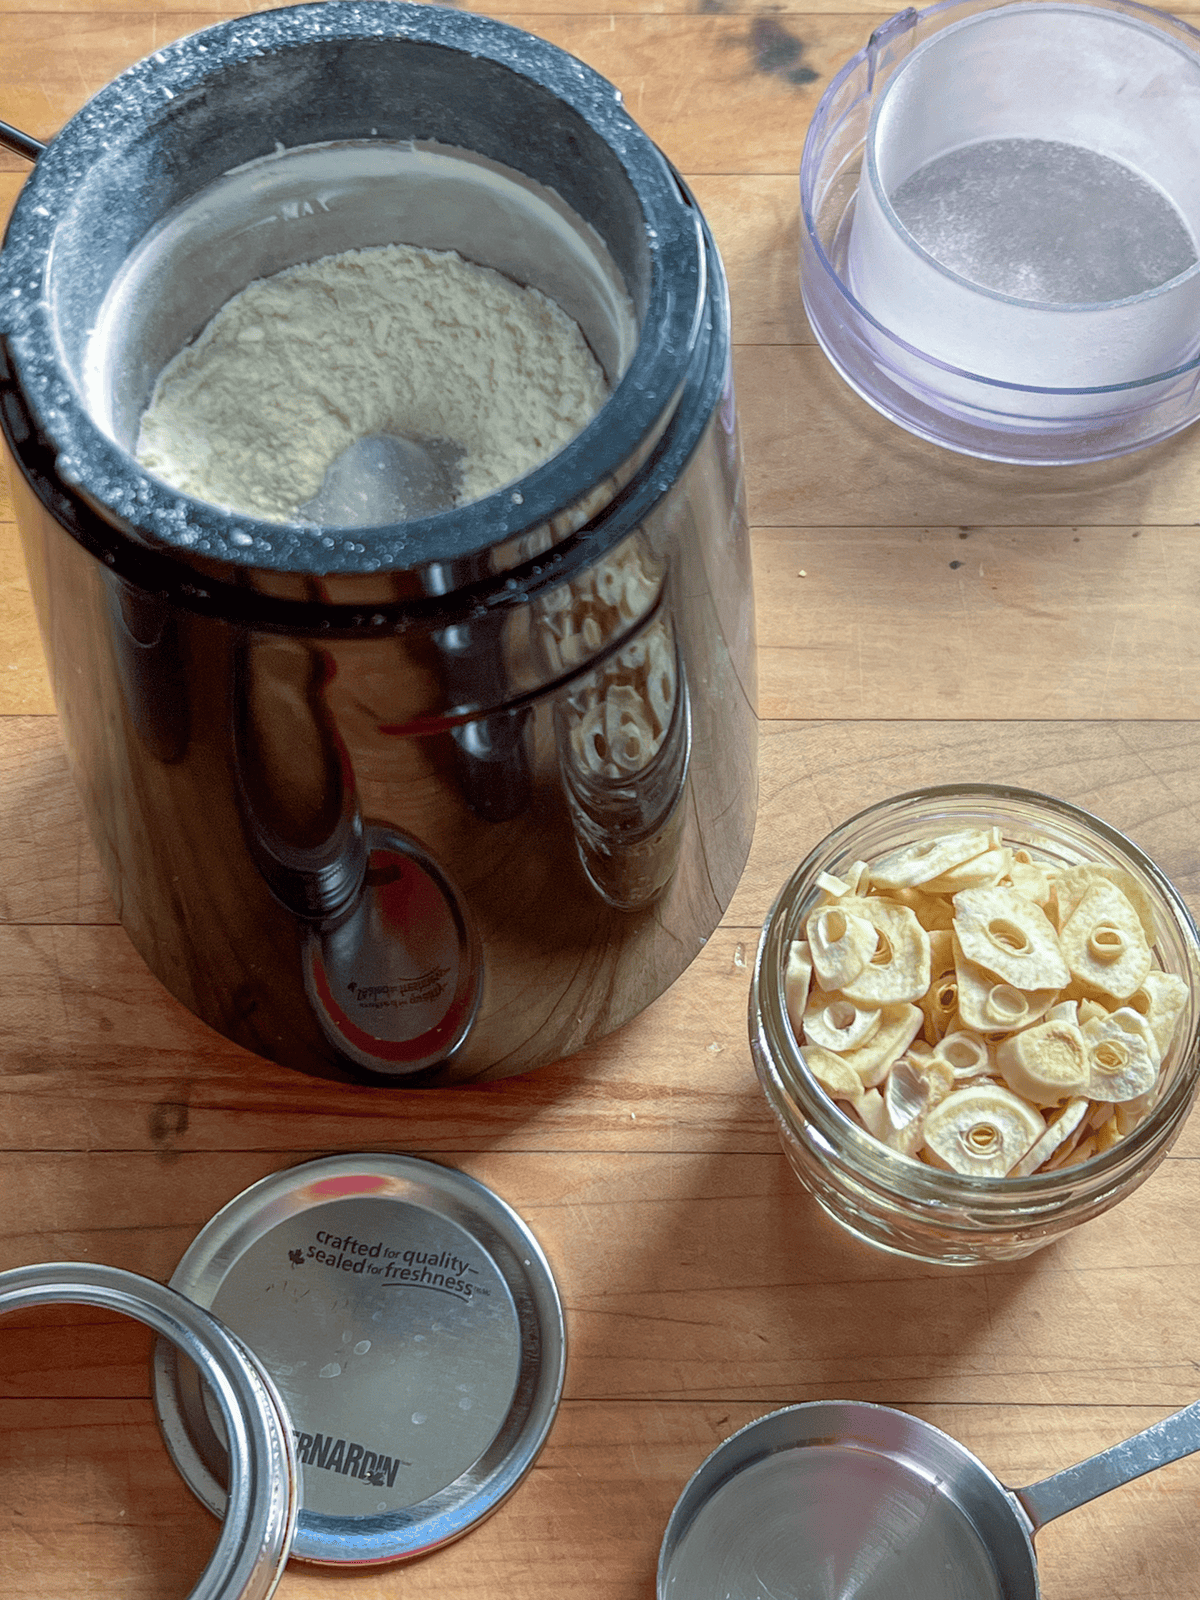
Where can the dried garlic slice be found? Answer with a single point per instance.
(1087, 1009)
(1128, 1113)
(796, 980)
(873, 1115)
(1030, 878)
(1066, 1150)
(1104, 944)
(940, 1000)
(1009, 936)
(1122, 1056)
(907, 1141)
(857, 876)
(1072, 883)
(933, 911)
(1160, 999)
(982, 1130)
(938, 1073)
(841, 944)
(838, 1080)
(905, 1093)
(833, 886)
(915, 864)
(981, 872)
(836, 1023)
(966, 1054)
(984, 1010)
(1107, 1135)
(898, 1026)
(1064, 1011)
(1072, 1155)
(1058, 1130)
(908, 1137)
(898, 970)
(1045, 1063)
(910, 1093)
(988, 1006)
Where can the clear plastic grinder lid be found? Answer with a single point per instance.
(414, 1331)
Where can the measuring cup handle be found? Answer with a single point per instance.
(21, 144)
(1166, 1441)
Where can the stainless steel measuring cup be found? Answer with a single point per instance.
(839, 1498)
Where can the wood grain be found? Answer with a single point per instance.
(1139, 776)
(717, 90)
(978, 622)
(922, 618)
(818, 457)
(586, 1522)
(93, 1504)
(686, 77)
(24, 684)
(96, 1056)
(755, 221)
(939, 623)
(791, 15)
(687, 1276)
(1136, 775)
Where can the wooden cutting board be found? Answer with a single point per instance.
(922, 617)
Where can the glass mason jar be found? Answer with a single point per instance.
(896, 1202)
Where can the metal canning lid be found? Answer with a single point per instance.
(412, 1325)
(259, 1510)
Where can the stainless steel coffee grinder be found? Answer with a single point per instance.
(425, 800)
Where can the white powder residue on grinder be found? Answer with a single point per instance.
(394, 340)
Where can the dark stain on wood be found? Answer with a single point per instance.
(779, 52)
(168, 1119)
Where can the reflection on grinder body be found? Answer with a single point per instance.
(390, 968)
(396, 984)
(470, 665)
(146, 650)
(624, 729)
(240, 862)
(294, 779)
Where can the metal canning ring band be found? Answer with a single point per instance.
(260, 1513)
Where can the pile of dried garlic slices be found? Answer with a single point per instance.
(981, 1010)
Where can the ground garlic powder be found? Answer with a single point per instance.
(400, 340)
